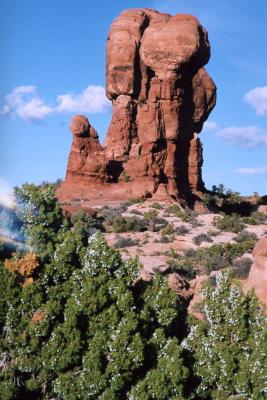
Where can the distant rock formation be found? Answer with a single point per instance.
(161, 96)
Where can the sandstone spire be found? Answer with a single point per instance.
(161, 96)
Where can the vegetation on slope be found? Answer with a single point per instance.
(76, 323)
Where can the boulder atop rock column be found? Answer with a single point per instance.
(161, 96)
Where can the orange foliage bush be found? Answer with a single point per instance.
(24, 266)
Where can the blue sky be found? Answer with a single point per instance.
(53, 66)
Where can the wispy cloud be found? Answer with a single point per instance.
(210, 125)
(245, 136)
(25, 102)
(257, 99)
(91, 100)
(253, 171)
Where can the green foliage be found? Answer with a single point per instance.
(255, 218)
(87, 328)
(215, 257)
(220, 189)
(41, 215)
(202, 237)
(128, 224)
(231, 348)
(150, 215)
(241, 267)
(83, 330)
(176, 210)
(157, 206)
(183, 268)
(244, 236)
(229, 223)
(167, 230)
(124, 242)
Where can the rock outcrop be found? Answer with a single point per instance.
(161, 96)
(257, 278)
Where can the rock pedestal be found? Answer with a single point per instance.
(161, 96)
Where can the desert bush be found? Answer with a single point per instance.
(165, 239)
(136, 200)
(202, 237)
(167, 230)
(244, 236)
(157, 206)
(124, 242)
(233, 197)
(181, 230)
(185, 269)
(215, 257)
(241, 267)
(128, 224)
(159, 223)
(213, 232)
(150, 215)
(85, 224)
(229, 223)
(256, 218)
(176, 210)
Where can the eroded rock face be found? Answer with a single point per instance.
(87, 162)
(257, 278)
(161, 96)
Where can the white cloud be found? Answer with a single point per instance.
(257, 99)
(246, 136)
(25, 103)
(253, 171)
(91, 100)
(210, 125)
(34, 109)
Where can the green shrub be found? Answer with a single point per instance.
(181, 230)
(186, 269)
(229, 362)
(176, 210)
(202, 237)
(168, 230)
(244, 236)
(150, 215)
(157, 206)
(89, 332)
(136, 200)
(242, 267)
(125, 242)
(229, 223)
(128, 224)
(255, 218)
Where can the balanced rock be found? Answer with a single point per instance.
(161, 96)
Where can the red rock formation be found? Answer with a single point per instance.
(257, 278)
(161, 96)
